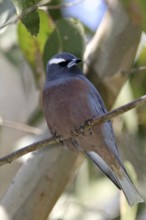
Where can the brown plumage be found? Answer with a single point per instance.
(69, 100)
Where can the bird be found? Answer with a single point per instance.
(69, 100)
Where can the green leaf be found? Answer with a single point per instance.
(68, 36)
(138, 79)
(29, 14)
(32, 22)
(32, 47)
(136, 10)
(55, 14)
(138, 85)
(142, 6)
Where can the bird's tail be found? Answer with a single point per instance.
(132, 195)
(124, 183)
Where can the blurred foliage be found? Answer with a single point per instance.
(61, 39)
(7, 10)
(138, 82)
(13, 54)
(35, 117)
(32, 47)
(56, 13)
(49, 42)
(28, 14)
(130, 121)
(137, 12)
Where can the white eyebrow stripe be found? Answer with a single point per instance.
(56, 60)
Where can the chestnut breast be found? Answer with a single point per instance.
(66, 105)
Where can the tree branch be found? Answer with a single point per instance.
(89, 124)
(115, 112)
(20, 126)
(104, 62)
(134, 70)
(25, 150)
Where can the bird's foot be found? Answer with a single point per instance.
(88, 126)
(58, 137)
(81, 129)
(85, 129)
(75, 131)
(88, 123)
(78, 130)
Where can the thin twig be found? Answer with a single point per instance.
(113, 113)
(59, 6)
(96, 121)
(40, 4)
(25, 150)
(134, 70)
(20, 126)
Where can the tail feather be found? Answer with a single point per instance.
(103, 166)
(124, 183)
(132, 195)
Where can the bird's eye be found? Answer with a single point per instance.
(64, 63)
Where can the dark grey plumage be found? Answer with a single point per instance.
(70, 99)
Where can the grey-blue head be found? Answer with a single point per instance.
(62, 64)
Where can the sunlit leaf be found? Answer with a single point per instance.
(32, 47)
(129, 118)
(138, 84)
(29, 14)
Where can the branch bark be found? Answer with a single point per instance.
(33, 196)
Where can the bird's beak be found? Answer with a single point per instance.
(73, 62)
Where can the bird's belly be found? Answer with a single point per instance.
(67, 106)
(62, 119)
(65, 113)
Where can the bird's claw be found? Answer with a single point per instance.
(84, 129)
(90, 131)
(58, 137)
(89, 122)
(87, 128)
(81, 129)
(75, 131)
(78, 130)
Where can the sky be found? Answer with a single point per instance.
(89, 12)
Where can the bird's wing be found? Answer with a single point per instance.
(97, 105)
(124, 182)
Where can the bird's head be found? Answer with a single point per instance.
(62, 64)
